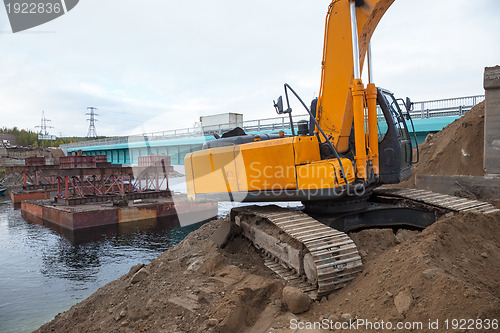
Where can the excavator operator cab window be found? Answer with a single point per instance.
(381, 124)
(395, 148)
(396, 116)
(400, 126)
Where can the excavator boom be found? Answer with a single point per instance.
(335, 109)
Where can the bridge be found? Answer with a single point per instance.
(428, 117)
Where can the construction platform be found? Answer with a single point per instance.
(80, 216)
(18, 195)
(80, 176)
(86, 193)
(129, 229)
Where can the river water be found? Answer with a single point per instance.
(43, 273)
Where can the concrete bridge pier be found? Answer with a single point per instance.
(492, 121)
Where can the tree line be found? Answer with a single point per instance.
(27, 138)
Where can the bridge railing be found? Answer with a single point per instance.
(445, 107)
(424, 109)
(258, 125)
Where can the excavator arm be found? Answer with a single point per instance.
(335, 104)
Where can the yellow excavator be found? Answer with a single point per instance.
(356, 140)
(333, 157)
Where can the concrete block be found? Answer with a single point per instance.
(483, 188)
(491, 163)
(492, 78)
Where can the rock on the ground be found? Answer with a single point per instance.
(295, 300)
(346, 316)
(403, 235)
(430, 273)
(403, 302)
(140, 275)
(333, 317)
(222, 234)
(212, 322)
(195, 265)
(135, 269)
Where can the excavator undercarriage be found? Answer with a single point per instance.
(314, 253)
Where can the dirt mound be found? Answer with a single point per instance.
(455, 150)
(193, 287)
(56, 154)
(448, 271)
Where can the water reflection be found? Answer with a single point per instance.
(45, 269)
(79, 263)
(78, 255)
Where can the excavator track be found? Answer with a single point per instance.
(306, 253)
(443, 201)
(316, 258)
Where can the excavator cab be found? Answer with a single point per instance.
(395, 146)
(394, 139)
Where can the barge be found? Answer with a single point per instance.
(88, 192)
(98, 214)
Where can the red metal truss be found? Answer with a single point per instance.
(33, 176)
(73, 183)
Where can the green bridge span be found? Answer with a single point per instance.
(428, 117)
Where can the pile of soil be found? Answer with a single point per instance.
(450, 270)
(56, 154)
(455, 150)
(184, 290)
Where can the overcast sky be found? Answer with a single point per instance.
(154, 65)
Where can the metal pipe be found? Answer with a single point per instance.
(355, 43)
(321, 131)
(289, 109)
(370, 67)
(371, 99)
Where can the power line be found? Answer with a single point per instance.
(44, 133)
(92, 133)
